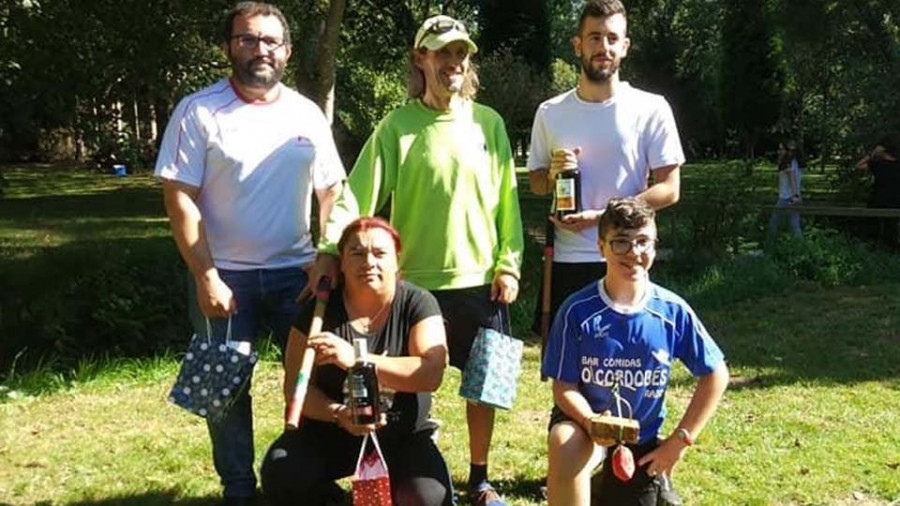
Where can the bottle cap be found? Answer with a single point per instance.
(361, 349)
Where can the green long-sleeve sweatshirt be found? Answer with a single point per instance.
(454, 201)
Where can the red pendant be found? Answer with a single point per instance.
(623, 463)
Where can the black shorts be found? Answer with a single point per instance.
(566, 280)
(607, 489)
(465, 310)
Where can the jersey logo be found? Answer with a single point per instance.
(662, 356)
(596, 329)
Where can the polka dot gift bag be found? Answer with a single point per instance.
(212, 373)
(371, 482)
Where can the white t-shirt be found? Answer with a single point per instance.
(621, 140)
(784, 180)
(256, 165)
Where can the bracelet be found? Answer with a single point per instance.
(684, 436)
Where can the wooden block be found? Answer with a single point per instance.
(607, 430)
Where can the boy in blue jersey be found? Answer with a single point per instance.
(624, 330)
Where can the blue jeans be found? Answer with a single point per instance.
(264, 298)
(792, 217)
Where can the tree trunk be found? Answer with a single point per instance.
(324, 87)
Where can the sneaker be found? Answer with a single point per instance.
(485, 495)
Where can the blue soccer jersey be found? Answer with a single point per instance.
(595, 344)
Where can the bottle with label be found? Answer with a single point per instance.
(568, 193)
(363, 386)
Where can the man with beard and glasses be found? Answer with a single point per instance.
(445, 163)
(615, 134)
(239, 162)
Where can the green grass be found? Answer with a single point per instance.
(808, 420)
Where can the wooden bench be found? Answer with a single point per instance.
(831, 210)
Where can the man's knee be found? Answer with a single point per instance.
(570, 450)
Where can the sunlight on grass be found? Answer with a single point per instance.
(778, 438)
(808, 419)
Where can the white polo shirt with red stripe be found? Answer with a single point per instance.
(256, 164)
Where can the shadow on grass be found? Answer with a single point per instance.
(840, 335)
(116, 203)
(113, 297)
(149, 499)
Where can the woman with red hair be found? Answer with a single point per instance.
(404, 331)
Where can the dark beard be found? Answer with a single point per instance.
(599, 75)
(254, 78)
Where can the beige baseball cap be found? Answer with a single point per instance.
(438, 31)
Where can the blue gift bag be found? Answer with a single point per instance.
(212, 373)
(492, 372)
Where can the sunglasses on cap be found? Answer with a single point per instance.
(442, 26)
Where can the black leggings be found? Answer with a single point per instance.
(301, 466)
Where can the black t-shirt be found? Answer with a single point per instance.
(410, 410)
(886, 187)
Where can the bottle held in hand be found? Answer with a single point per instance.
(363, 386)
(568, 193)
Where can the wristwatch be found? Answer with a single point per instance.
(684, 436)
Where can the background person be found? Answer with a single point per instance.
(624, 326)
(883, 162)
(790, 166)
(405, 334)
(239, 162)
(445, 163)
(615, 134)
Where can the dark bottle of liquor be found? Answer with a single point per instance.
(568, 193)
(363, 386)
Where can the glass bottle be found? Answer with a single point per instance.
(568, 193)
(363, 386)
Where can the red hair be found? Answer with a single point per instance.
(368, 223)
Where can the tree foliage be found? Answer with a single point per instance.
(86, 78)
(518, 27)
(751, 76)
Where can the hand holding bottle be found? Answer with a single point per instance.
(578, 221)
(343, 417)
(562, 159)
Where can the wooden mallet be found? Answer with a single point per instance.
(308, 359)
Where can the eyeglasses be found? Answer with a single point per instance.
(248, 41)
(640, 245)
(442, 26)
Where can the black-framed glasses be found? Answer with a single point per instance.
(250, 41)
(442, 26)
(640, 245)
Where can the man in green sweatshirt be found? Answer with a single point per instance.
(445, 164)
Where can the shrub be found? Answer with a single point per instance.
(714, 219)
(831, 258)
(123, 299)
(726, 281)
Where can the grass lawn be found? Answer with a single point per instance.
(809, 418)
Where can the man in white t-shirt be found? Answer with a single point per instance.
(616, 135)
(239, 162)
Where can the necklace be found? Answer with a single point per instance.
(371, 321)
